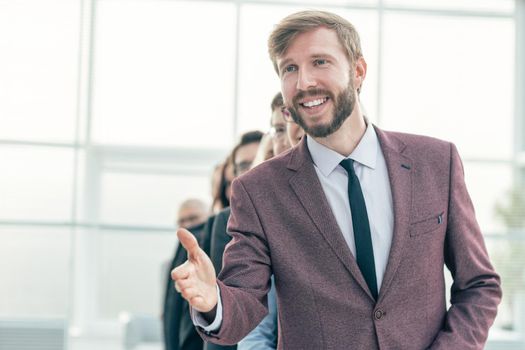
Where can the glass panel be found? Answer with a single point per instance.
(483, 5)
(508, 256)
(36, 183)
(148, 199)
(38, 70)
(488, 184)
(258, 81)
(168, 81)
(34, 270)
(133, 270)
(451, 78)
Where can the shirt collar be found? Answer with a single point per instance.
(327, 160)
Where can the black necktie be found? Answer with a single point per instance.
(363, 240)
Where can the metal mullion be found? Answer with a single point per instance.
(448, 13)
(283, 3)
(357, 6)
(498, 161)
(380, 29)
(74, 186)
(235, 127)
(519, 103)
(9, 142)
(83, 291)
(87, 225)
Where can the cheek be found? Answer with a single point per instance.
(287, 89)
(275, 148)
(282, 143)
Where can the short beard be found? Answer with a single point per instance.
(343, 106)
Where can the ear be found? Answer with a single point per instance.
(359, 73)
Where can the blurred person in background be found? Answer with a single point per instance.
(265, 150)
(242, 157)
(244, 153)
(179, 332)
(216, 178)
(192, 212)
(280, 141)
(294, 132)
(221, 191)
(264, 336)
(247, 144)
(275, 141)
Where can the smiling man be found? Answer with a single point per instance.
(357, 224)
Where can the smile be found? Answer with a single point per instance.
(314, 103)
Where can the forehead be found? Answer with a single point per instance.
(320, 41)
(189, 210)
(246, 152)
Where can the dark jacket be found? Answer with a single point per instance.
(179, 332)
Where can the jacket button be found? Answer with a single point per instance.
(378, 314)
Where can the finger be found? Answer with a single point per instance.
(189, 293)
(189, 242)
(180, 272)
(196, 300)
(199, 304)
(184, 283)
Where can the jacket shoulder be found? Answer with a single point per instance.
(419, 145)
(269, 171)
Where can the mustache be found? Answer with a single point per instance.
(310, 93)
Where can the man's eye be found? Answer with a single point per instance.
(320, 61)
(289, 69)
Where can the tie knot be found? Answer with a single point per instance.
(348, 164)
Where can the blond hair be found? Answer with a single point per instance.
(301, 22)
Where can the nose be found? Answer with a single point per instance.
(305, 80)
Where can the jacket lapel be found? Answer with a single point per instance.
(310, 193)
(400, 175)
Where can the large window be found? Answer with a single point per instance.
(114, 111)
(163, 73)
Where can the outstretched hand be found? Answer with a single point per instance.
(195, 279)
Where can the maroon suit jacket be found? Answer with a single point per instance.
(281, 223)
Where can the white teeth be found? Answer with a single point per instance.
(314, 102)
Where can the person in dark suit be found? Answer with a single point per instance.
(285, 133)
(242, 155)
(216, 240)
(219, 238)
(178, 330)
(221, 185)
(356, 223)
(241, 159)
(276, 142)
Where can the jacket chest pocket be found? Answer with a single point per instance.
(427, 225)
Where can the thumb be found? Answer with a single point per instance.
(189, 242)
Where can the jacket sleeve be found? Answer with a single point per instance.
(244, 280)
(475, 292)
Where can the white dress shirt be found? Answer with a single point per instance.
(370, 168)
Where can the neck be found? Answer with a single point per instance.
(347, 137)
